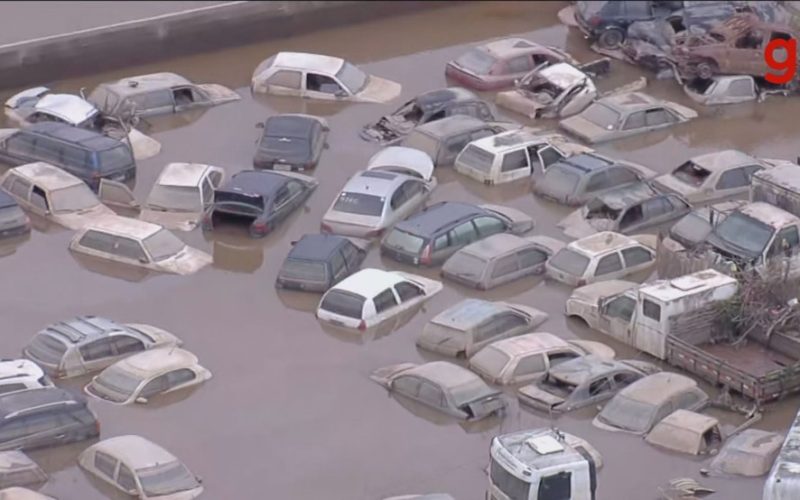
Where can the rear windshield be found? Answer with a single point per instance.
(47, 349)
(691, 173)
(464, 265)
(477, 158)
(406, 242)
(601, 115)
(343, 303)
(570, 261)
(304, 270)
(476, 61)
(115, 158)
(359, 204)
(163, 245)
(490, 361)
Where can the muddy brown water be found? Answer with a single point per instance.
(290, 412)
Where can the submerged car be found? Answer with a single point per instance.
(579, 178)
(443, 386)
(624, 115)
(500, 259)
(291, 142)
(497, 64)
(632, 209)
(602, 256)
(371, 296)
(21, 375)
(262, 199)
(640, 406)
(724, 89)
(582, 382)
(17, 469)
(431, 236)
(318, 76)
(750, 453)
(143, 376)
(318, 261)
(525, 357)
(608, 22)
(85, 344)
(13, 221)
(138, 243)
(443, 139)
(694, 227)
(140, 468)
(714, 176)
(687, 432)
(513, 155)
(425, 108)
(465, 328)
(54, 194)
(396, 183)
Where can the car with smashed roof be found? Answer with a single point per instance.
(429, 237)
(443, 139)
(85, 344)
(21, 375)
(396, 183)
(581, 382)
(291, 141)
(139, 467)
(261, 199)
(316, 262)
(608, 22)
(513, 155)
(317, 76)
(525, 357)
(371, 296)
(466, 327)
(13, 221)
(17, 469)
(425, 108)
(497, 64)
(579, 178)
(632, 209)
(444, 386)
(623, 115)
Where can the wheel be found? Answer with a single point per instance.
(611, 38)
(706, 69)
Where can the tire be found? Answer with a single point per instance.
(706, 69)
(611, 38)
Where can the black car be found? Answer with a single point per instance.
(44, 417)
(291, 142)
(431, 236)
(13, 220)
(86, 154)
(260, 198)
(608, 22)
(319, 261)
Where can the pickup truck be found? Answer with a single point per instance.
(675, 321)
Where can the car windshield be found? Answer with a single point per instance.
(464, 265)
(352, 77)
(163, 244)
(175, 198)
(490, 361)
(46, 348)
(476, 61)
(403, 241)
(343, 303)
(691, 173)
(570, 262)
(744, 233)
(73, 199)
(423, 142)
(477, 158)
(602, 116)
(360, 204)
(115, 384)
(115, 158)
(628, 414)
(166, 479)
(303, 270)
(559, 181)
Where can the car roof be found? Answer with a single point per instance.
(438, 216)
(261, 182)
(768, 214)
(468, 313)
(583, 368)
(18, 401)
(375, 182)
(627, 196)
(136, 451)
(132, 85)
(68, 107)
(6, 200)
(543, 449)
(290, 125)
(510, 47)
(587, 162)
(444, 373)
(495, 246)
(183, 174)
(783, 175)
(629, 102)
(438, 97)
(723, 160)
(76, 135)
(450, 125)
(511, 139)
(81, 328)
(658, 387)
(683, 286)
(48, 176)
(601, 243)
(158, 360)
(305, 60)
(123, 226)
(316, 247)
(563, 74)
(529, 343)
(369, 282)
(16, 368)
(400, 156)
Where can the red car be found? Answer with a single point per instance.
(495, 65)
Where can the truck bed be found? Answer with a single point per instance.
(751, 358)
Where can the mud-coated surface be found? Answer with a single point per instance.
(290, 412)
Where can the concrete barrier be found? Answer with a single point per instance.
(207, 28)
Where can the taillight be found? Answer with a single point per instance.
(325, 228)
(259, 227)
(362, 326)
(425, 258)
(595, 20)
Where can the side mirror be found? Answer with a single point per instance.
(141, 400)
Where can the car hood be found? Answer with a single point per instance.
(79, 220)
(189, 261)
(176, 221)
(585, 130)
(219, 94)
(379, 90)
(591, 293)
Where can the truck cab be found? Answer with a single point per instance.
(542, 464)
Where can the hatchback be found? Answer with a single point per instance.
(318, 261)
(291, 142)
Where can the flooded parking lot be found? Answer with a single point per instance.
(291, 412)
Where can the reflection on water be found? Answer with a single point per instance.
(126, 272)
(9, 246)
(239, 255)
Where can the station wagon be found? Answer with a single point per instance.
(318, 261)
(291, 142)
(444, 139)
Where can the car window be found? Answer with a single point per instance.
(13, 429)
(124, 344)
(441, 243)
(125, 478)
(655, 117)
(741, 87)
(284, 78)
(407, 385)
(506, 265)
(634, 121)
(531, 257)
(178, 377)
(412, 188)
(281, 197)
(38, 198)
(321, 83)
(597, 181)
(350, 253)
(608, 264)
(600, 386)
(129, 249)
(621, 307)
(530, 364)
(456, 144)
(72, 155)
(98, 349)
(635, 256)
(408, 291)
(12, 388)
(488, 226)
(521, 64)
(558, 486)
(96, 240)
(207, 192)
(48, 150)
(338, 265)
(21, 144)
(155, 386)
(687, 399)
(559, 357)
(463, 234)
(398, 197)
(786, 240)
(734, 178)
(656, 207)
(651, 310)
(385, 301)
(621, 175)
(431, 394)
(624, 379)
(21, 188)
(549, 155)
(105, 464)
(514, 160)
(499, 325)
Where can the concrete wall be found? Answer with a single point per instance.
(234, 23)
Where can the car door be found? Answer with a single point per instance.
(460, 236)
(38, 201)
(20, 147)
(188, 97)
(20, 189)
(125, 480)
(105, 466)
(154, 102)
(655, 211)
(128, 251)
(432, 395)
(527, 368)
(633, 124)
(609, 267)
(515, 165)
(732, 182)
(386, 305)
(319, 86)
(575, 99)
(97, 354)
(637, 258)
(285, 82)
(287, 198)
(154, 387)
(600, 389)
(13, 434)
(338, 267)
(547, 155)
(116, 194)
(406, 385)
(615, 316)
(531, 261)
(505, 269)
(658, 118)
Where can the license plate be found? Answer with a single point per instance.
(282, 166)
